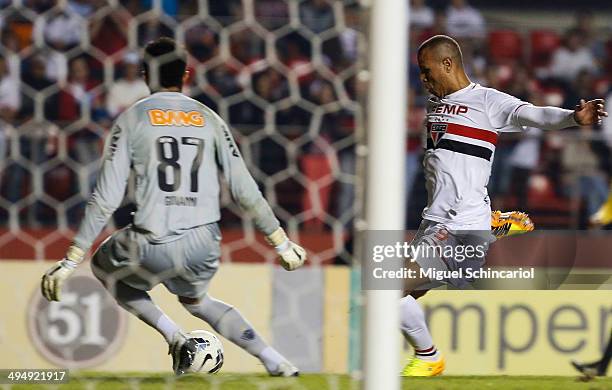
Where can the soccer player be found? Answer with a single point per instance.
(176, 147)
(598, 368)
(463, 122)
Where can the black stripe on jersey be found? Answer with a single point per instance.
(462, 147)
(430, 144)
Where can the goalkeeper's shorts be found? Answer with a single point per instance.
(185, 266)
(444, 250)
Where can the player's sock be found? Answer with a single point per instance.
(415, 329)
(605, 360)
(271, 359)
(140, 304)
(229, 323)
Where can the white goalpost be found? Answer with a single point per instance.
(385, 188)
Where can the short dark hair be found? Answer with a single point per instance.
(170, 61)
(439, 41)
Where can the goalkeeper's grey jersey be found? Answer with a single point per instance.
(176, 147)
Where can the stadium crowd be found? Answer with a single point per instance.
(67, 69)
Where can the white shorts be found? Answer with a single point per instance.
(185, 266)
(452, 255)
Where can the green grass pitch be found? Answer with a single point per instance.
(104, 381)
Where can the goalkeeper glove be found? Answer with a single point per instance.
(54, 278)
(510, 223)
(292, 256)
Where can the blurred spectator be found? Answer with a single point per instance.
(247, 47)
(202, 42)
(169, 7)
(584, 178)
(464, 21)
(294, 53)
(521, 85)
(10, 102)
(271, 85)
(421, 16)
(62, 31)
(492, 78)
(109, 33)
(414, 144)
(594, 39)
(523, 160)
(317, 15)
(227, 11)
(152, 29)
(517, 83)
(224, 80)
(272, 14)
(77, 93)
(39, 6)
(56, 66)
(35, 75)
(572, 57)
(134, 7)
(316, 163)
(76, 97)
(128, 89)
(349, 37)
(83, 8)
(474, 62)
(9, 51)
(582, 87)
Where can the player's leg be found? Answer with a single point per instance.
(427, 360)
(598, 368)
(135, 300)
(228, 322)
(201, 251)
(113, 273)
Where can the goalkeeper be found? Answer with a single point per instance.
(176, 147)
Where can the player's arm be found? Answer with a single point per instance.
(553, 118)
(507, 113)
(245, 192)
(109, 191)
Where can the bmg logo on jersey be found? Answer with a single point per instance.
(175, 118)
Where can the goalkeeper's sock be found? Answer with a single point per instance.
(414, 328)
(140, 304)
(229, 323)
(271, 359)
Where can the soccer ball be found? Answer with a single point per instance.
(209, 355)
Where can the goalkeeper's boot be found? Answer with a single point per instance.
(589, 370)
(183, 351)
(510, 223)
(420, 367)
(285, 369)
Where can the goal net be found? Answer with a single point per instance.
(283, 74)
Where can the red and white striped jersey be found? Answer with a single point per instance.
(460, 137)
